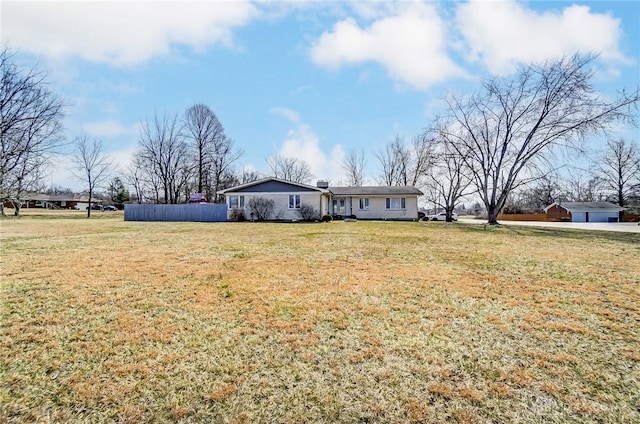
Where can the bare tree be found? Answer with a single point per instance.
(513, 123)
(225, 154)
(248, 175)
(393, 160)
(92, 166)
(423, 156)
(448, 180)
(582, 186)
(534, 197)
(30, 128)
(290, 169)
(163, 148)
(134, 175)
(214, 152)
(619, 169)
(353, 166)
(406, 165)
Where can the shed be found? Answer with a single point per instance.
(584, 211)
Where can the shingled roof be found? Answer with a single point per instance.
(375, 191)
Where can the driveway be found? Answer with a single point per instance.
(625, 227)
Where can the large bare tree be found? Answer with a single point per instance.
(162, 148)
(214, 152)
(30, 128)
(619, 169)
(92, 165)
(404, 165)
(290, 169)
(512, 123)
(448, 180)
(353, 166)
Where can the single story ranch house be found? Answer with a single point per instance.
(369, 202)
(584, 212)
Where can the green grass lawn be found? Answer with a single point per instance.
(104, 320)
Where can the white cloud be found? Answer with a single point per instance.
(410, 42)
(119, 32)
(288, 114)
(61, 167)
(304, 144)
(108, 128)
(505, 33)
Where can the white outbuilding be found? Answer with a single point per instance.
(584, 211)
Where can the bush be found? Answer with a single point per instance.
(261, 208)
(327, 218)
(309, 213)
(237, 215)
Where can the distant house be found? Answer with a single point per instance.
(197, 198)
(372, 202)
(584, 212)
(54, 201)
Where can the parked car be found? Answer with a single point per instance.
(442, 216)
(95, 207)
(109, 208)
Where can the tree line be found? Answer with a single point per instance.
(495, 144)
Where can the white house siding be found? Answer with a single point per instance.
(378, 209)
(281, 209)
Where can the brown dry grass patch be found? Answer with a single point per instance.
(104, 320)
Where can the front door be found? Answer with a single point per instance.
(339, 207)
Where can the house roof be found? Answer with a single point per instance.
(197, 197)
(375, 191)
(586, 206)
(58, 198)
(270, 184)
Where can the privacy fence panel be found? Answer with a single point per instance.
(208, 212)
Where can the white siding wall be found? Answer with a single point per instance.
(378, 209)
(281, 209)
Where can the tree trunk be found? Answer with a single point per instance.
(492, 216)
(17, 209)
(90, 204)
(620, 197)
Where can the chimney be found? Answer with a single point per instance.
(322, 184)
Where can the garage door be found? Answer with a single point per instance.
(601, 216)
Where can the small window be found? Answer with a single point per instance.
(364, 203)
(294, 201)
(236, 202)
(396, 203)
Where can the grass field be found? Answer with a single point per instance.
(111, 321)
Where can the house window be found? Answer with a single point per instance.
(294, 201)
(396, 203)
(236, 202)
(364, 203)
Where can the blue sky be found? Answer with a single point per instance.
(312, 80)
